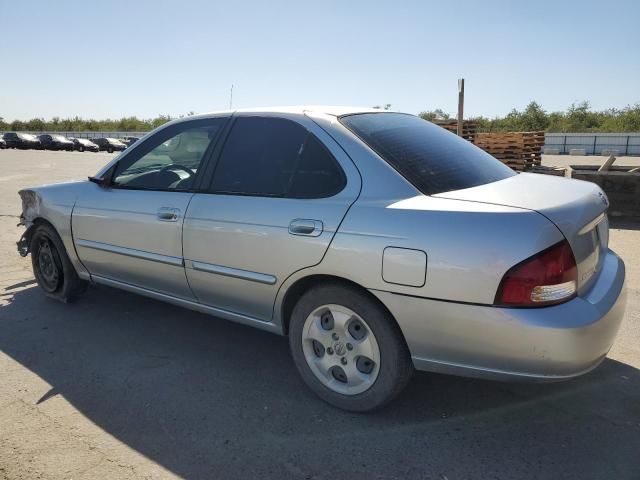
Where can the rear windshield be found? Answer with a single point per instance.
(431, 158)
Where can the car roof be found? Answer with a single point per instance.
(334, 110)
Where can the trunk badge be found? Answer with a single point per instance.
(603, 199)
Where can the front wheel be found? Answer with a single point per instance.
(52, 267)
(348, 348)
(110, 149)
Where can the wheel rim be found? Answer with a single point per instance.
(48, 266)
(341, 349)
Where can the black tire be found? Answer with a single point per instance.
(110, 149)
(396, 367)
(51, 265)
(81, 149)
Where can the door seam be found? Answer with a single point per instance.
(184, 261)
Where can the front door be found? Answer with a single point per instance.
(280, 189)
(131, 230)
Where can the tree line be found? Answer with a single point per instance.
(77, 124)
(579, 117)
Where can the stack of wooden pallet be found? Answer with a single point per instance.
(519, 150)
(469, 128)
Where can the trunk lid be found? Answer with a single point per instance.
(577, 208)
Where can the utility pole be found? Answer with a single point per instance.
(460, 105)
(231, 98)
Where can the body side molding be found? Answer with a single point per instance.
(130, 252)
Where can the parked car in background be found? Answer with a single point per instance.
(23, 141)
(82, 144)
(3, 144)
(377, 241)
(109, 144)
(55, 142)
(130, 140)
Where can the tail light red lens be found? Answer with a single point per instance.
(547, 278)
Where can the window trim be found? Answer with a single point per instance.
(140, 151)
(370, 147)
(207, 182)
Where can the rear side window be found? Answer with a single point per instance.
(317, 174)
(277, 158)
(432, 159)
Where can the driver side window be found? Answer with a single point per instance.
(170, 159)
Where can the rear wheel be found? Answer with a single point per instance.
(51, 265)
(348, 349)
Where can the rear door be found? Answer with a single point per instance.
(280, 189)
(131, 231)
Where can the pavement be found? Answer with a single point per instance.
(119, 386)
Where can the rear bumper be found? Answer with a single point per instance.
(549, 343)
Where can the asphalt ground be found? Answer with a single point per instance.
(119, 386)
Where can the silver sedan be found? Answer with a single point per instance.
(378, 242)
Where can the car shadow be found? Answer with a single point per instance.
(204, 397)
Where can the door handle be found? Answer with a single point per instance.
(301, 226)
(168, 214)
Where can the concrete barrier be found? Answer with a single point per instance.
(621, 186)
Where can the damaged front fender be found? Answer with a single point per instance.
(31, 202)
(52, 205)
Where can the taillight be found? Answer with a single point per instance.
(547, 278)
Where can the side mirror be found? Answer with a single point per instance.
(105, 179)
(99, 181)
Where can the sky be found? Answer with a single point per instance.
(110, 59)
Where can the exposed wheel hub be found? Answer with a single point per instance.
(48, 266)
